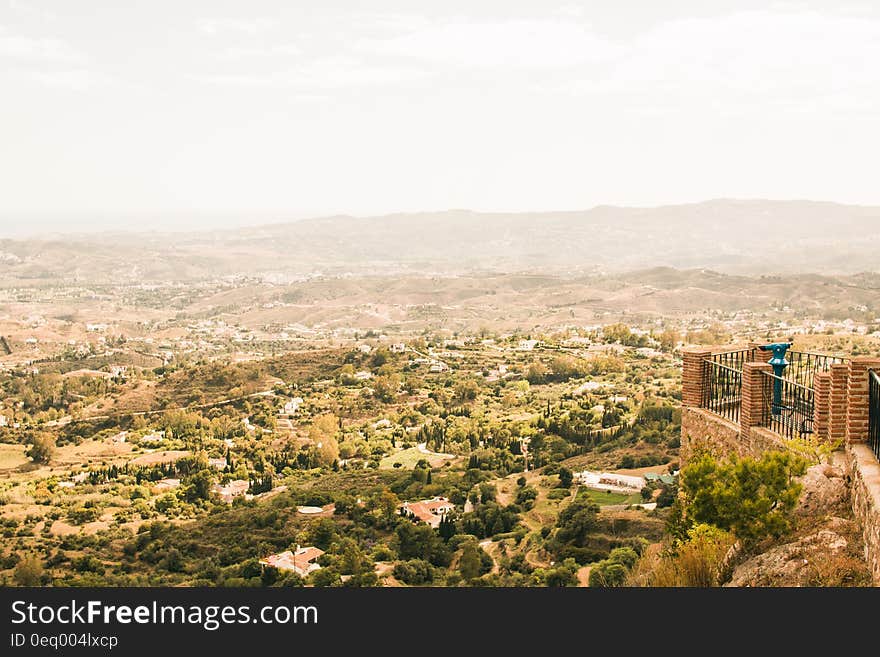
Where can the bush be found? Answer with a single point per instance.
(613, 571)
(29, 571)
(525, 497)
(700, 560)
(753, 498)
(414, 572)
(562, 574)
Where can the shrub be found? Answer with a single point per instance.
(613, 571)
(700, 560)
(414, 572)
(753, 498)
(525, 497)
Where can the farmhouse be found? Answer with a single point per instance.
(301, 561)
(230, 491)
(429, 511)
(609, 481)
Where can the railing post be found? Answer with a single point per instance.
(857, 398)
(752, 395)
(837, 407)
(821, 404)
(756, 355)
(692, 375)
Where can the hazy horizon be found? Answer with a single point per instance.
(218, 114)
(37, 227)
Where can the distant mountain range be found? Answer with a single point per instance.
(733, 236)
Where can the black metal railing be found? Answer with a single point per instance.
(732, 359)
(803, 366)
(722, 389)
(787, 406)
(874, 412)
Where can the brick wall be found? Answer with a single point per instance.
(752, 408)
(822, 404)
(692, 374)
(857, 398)
(837, 409)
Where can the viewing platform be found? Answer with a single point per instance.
(746, 400)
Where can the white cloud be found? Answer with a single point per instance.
(327, 73)
(14, 46)
(25, 8)
(243, 26)
(794, 58)
(513, 45)
(72, 80)
(238, 53)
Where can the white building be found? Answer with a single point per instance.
(526, 345)
(610, 481)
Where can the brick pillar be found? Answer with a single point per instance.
(752, 408)
(756, 355)
(857, 398)
(837, 414)
(692, 375)
(821, 404)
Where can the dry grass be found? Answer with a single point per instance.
(700, 562)
(169, 456)
(12, 456)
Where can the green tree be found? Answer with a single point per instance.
(414, 572)
(470, 562)
(562, 574)
(753, 498)
(565, 477)
(325, 447)
(607, 574)
(42, 448)
(576, 522)
(326, 577)
(198, 486)
(421, 542)
(323, 533)
(29, 571)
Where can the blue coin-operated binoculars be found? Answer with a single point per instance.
(779, 364)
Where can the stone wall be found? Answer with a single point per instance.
(840, 415)
(864, 472)
(702, 429)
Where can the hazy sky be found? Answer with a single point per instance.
(204, 112)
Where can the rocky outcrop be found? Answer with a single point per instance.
(826, 549)
(825, 491)
(806, 561)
